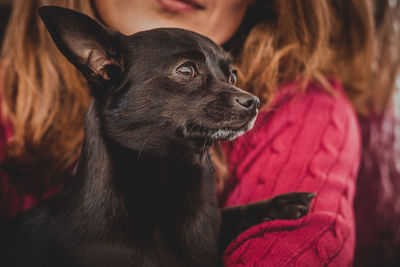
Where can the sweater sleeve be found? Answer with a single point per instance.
(309, 144)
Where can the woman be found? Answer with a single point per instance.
(294, 54)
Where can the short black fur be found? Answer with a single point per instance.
(143, 193)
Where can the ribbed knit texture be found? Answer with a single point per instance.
(308, 143)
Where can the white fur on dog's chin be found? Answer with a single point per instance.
(231, 135)
(222, 134)
(227, 134)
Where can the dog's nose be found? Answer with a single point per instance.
(247, 101)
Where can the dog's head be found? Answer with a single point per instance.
(168, 83)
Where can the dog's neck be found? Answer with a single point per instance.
(135, 185)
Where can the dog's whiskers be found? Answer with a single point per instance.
(144, 143)
(191, 129)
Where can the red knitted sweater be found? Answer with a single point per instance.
(307, 143)
(303, 143)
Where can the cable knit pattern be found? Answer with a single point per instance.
(307, 143)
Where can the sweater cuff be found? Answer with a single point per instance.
(314, 240)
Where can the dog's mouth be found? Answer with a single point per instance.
(197, 131)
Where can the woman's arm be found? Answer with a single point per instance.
(310, 144)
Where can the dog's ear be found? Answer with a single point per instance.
(91, 47)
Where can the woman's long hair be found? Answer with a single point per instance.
(44, 97)
(314, 40)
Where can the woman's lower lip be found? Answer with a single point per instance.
(178, 6)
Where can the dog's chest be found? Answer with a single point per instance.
(194, 244)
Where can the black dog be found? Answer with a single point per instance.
(144, 194)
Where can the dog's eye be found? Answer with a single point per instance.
(232, 77)
(187, 69)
